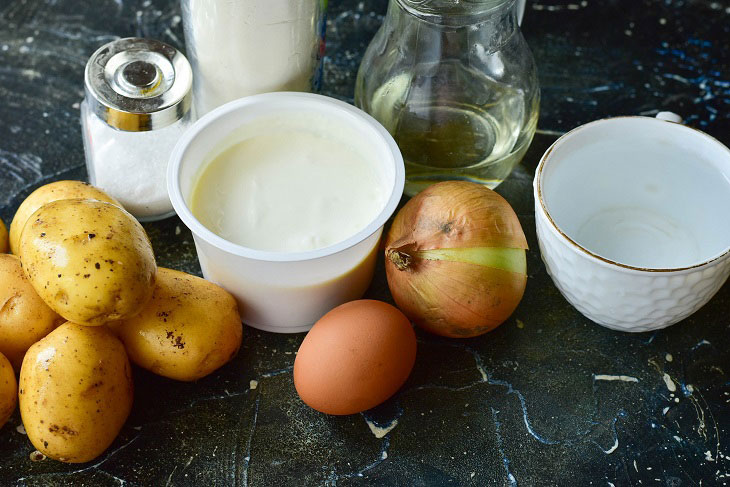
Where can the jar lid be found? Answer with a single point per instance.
(138, 84)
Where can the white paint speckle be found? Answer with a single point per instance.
(622, 378)
(708, 456)
(668, 357)
(613, 448)
(671, 386)
(253, 384)
(665, 410)
(381, 431)
(21, 429)
(31, 74)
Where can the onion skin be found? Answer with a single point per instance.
(455, 297)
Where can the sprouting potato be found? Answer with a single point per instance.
(75, 392)
(188, 329)
(8, 390)
(24, 317)
(59, 190)
(90, 261)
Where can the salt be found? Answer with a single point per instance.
(132, 166)
(137, 106)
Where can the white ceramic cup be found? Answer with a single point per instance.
(284, 292)
(631, 216)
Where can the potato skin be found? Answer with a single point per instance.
(4, 245)
(8, 390)
(59, 190)
(90, 261)
(75, 392)
(24, 317)
(189, 328)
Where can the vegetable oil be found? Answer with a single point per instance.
(479, 139)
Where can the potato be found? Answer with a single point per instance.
(75, 392)
(8, 390)
(189, 328)
(3, 238)
(24, 317)
(90, 261)
(59, 190)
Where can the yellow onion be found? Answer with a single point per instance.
(455, 259)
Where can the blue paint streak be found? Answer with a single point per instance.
(505, 460)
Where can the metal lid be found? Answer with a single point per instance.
(138, 84)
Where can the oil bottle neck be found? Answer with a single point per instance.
(497, 14)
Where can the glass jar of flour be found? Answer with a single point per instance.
(137, 105)
(245, 47)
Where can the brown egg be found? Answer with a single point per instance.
(355, 357)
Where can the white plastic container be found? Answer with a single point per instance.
(631, 217)
(284, 292)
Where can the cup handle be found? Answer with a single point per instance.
(669, 117)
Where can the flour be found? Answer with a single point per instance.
(244, 47)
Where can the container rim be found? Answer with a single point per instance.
(311, 102)
(538, 182)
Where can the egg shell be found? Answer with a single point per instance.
(355, 357)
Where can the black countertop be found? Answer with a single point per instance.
(526, 404)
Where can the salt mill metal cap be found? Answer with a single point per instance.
(138, 84)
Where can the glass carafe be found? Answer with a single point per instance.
(456, 85)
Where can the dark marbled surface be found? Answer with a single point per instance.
(527, 404)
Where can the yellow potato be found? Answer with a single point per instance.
(3, 238)
(189, 328)
(8, 390)
(75, 392)
(59, 190)
(90, 261)
(24, 317)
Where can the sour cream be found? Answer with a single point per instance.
(289, 184)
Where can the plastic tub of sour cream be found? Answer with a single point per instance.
(286, 195)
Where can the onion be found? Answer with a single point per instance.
(455, 259)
